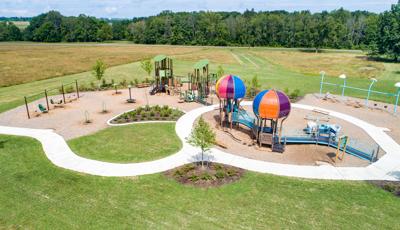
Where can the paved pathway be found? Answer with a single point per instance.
(59, 153)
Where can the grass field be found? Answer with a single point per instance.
(21, 24)
(27, 62)
(132, 143)
(276, 68)
(35, 194)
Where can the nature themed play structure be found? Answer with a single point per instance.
(199, 82)
(271, 108)
(163, 74)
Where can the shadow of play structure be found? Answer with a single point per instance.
(271, 108)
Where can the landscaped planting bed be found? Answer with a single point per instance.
(149, 113)
(208, 175)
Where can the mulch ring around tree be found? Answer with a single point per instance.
(390, 186)
(211, 175)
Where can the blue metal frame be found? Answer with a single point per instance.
(369, 91)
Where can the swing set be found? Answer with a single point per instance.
(69, 93)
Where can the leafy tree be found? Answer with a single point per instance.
(202, 136)
(336, 29)
(147, 66)
(99, 69)
(9, 32)
(220, 71)
(104, 33)
(255, 85)
(388, 42)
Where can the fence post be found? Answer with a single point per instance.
(397, 101)
(63, 93)
(373, 80)
(47, 99)
(27, 109)
(344, 83)
(322, 82)
(77, 88)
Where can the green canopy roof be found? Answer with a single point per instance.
(160, 57)
(201, 64)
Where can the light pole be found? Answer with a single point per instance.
(373, 80)
(343, 76)
(397, 85)
(322, 81)
(130, 100)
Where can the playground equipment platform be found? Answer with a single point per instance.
(242, 117)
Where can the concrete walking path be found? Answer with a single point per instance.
(59, 153)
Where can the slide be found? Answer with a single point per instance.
(155, 90)
(242, 117)
(325, 141)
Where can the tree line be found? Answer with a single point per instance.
(339, 29)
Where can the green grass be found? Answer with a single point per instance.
(131, 143)
(35, 194)
(254, 62)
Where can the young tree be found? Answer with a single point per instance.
(255, 85)
(147, 66)
(202, 136)
(98, 70)
(220, 71)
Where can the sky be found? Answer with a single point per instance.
(138, 8)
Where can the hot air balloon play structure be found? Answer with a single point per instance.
(230, 90)
(271, 106)
(268, 106)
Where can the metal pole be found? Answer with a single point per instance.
(27, 109)
(63, 93)
(344, 86)
(397, 101)
(369, 92)
(130, 95)
(322, 82)
(77, 88)
(47, 99)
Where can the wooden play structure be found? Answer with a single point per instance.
(163, 74)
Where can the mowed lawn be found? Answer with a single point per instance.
(35, 194)
(131, 143)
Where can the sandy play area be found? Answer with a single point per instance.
(70, 120)
(238, 141)
(375, 113)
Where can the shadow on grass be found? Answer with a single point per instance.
(2, 144)
(378, 59)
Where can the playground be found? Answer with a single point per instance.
(263, 131)
(269, 139)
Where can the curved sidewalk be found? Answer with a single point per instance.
(59, 153)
